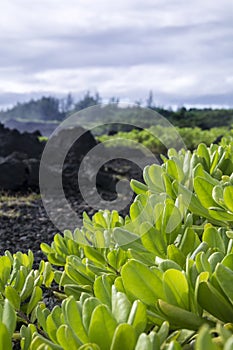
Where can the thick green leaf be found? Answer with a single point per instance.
(142, 283)
(202, 263)
(120, 306)
(163, 332)
(103, 289)
(192, 202)
(146, 258)
(77, 271)
(118, 283)
(73, 318)
(26, 337)
(189, 242)
(138, 212)
(213, 238)
(89, 306)
(224, 277)
(5, 338)
(152, 177)
(117, 258)
(99, 219)
(102, 327)
(138, 187)
(228, 261)
(5, 269)
(214, 259)
(176, 255)
(168, 185)
(228, 197)
(153, 240)
(176, 288)
(202, 151)
(12, 295)
(138, 317)
(75, 291)
(148, 342)
(27, 288)
(126, 239)
(41, 316)
(34, 299)
(203, 189)
(174, 170)
(212, 301)
(214, 161)
(124, 338)
(180, 318)
(48, 275)
(217, 195)
(200, 172)
(67, 338)
(9, 317)
(203, 247)
(171, 221)
(167, 264)
(53, 322)
(39, 342)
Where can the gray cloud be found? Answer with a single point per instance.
(180, 50)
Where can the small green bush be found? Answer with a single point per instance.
(159, 278)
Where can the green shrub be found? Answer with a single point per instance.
(192, 137)
(160, 278)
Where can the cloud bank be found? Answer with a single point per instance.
(180, 50)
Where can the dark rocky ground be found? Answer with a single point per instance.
(24, 223)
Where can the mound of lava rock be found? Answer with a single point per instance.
(20, 155)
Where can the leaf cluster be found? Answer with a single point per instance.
(159, 278)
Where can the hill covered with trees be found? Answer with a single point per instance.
(51, 108)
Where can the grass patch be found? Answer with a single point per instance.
(16, 199)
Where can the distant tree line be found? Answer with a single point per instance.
(53, 109)
(49, 108)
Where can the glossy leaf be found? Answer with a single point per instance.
(178, 317)
(228, 197)
(212, 301)
(176, 288)
(142, 283)
(124, 338)
(138, 316)
(5, 338)
(102, 327)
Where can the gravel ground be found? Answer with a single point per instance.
(24, 223)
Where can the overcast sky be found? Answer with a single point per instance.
(181, 50)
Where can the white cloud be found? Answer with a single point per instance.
(181, 50)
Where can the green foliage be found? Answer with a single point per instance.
(160, 278)
(159, 138)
